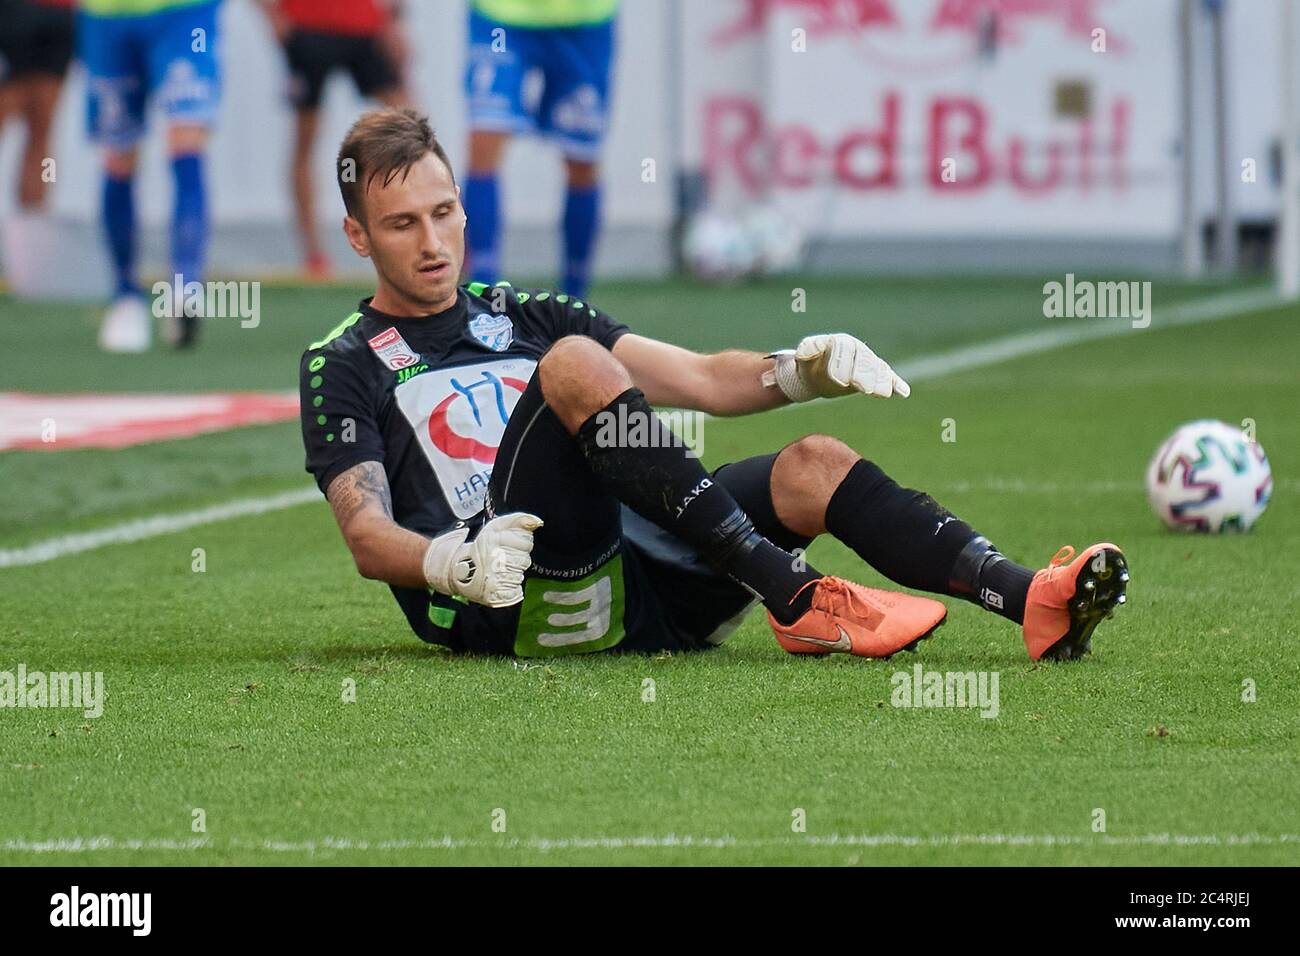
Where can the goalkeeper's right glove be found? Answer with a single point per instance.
(488, 570)
(827, 366)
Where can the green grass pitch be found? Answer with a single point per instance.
(225, 688)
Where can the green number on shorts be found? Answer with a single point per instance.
(572, 617)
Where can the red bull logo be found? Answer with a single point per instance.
(911, 117)
(741, 145)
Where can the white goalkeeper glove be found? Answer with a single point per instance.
(488, 570)
(827, 366)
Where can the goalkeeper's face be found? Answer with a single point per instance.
(414, 233)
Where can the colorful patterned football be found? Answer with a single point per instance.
(1211, 477)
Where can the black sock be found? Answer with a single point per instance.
(654, 477)
(914, 541)
(985, 576)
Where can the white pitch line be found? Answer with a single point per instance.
(79, 844)
(1084, 330)
(152, 527)
(914, 370)
(1019, 486)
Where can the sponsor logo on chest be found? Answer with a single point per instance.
(391, 349)
(459, 416)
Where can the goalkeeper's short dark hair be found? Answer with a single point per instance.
(383, 144)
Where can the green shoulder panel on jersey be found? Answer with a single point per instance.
(479, 288)
(335, 332)
(545, 294)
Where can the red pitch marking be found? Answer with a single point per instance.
(89, 420)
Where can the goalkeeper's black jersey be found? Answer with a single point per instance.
(429, 397)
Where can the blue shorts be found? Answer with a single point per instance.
(553, 81)
(170, 56)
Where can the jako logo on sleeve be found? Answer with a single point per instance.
(102, 909)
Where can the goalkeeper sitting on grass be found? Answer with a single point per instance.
(457, 433)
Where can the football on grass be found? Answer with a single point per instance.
(717, 248)
(1211, 477)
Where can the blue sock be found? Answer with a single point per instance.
(190, 220)
(119, 227)
(581, 222)
(483, 227)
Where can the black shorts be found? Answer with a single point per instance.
(314, 56)
(34, 39)
(603, 578)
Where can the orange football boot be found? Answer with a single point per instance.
(1068, 598)
(852, 619)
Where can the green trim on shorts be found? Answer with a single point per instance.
(560, 618)
(443, 617)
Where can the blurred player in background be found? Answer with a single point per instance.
(35, 49)
(568, 45)
(363, 37)
(135, 52)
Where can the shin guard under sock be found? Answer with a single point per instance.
(986, 577)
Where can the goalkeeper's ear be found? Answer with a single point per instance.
(358, 239)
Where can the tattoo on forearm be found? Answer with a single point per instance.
(361, 487)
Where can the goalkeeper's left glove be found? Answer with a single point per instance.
(488, 570)
(827, 366)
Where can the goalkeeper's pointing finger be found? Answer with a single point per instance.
(878, 379)
(827, 366)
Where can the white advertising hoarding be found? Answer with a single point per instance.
(956, 117)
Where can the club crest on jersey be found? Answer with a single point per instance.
(494, 331)
(393, 351)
